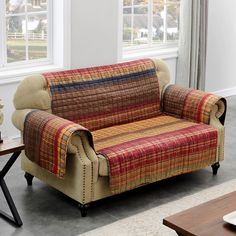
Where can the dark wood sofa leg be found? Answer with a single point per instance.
(83, 209)
(29, 178)
(215, 168)
(179, 234)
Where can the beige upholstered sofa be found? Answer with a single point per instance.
(87, 172)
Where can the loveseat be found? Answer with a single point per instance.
(95, 132)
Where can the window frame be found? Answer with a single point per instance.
(2, 49)
(4, 66)
(61, 46)
(165, 45)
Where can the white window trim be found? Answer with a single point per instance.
(2, 38)
(60, 44)
(163, 51)
(26, 62)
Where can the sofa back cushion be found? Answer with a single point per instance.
(104, 96)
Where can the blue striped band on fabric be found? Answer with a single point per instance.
(93, 83)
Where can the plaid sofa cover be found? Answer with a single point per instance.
(153, 149)
(103, 96)
(190, 104)
(46, 139)
(119, 106)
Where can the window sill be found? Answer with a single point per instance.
(162, 53)
(16, 75)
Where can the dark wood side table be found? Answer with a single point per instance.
(9, 146)
(205, 219)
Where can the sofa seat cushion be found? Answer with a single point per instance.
(163, 145)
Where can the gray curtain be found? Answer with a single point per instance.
(191, 64)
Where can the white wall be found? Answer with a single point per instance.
(6, 94)
(171, 62)
(221, 64)
(94, 41)
(95, 34)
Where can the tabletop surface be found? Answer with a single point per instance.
(205, 219)
(11, 145)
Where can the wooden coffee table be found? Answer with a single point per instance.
(15, 147)
(205, 219)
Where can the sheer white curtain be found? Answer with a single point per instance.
(191, 64)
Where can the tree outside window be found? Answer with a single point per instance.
(150, 22)
(25, 34)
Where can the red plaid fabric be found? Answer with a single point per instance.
(46, 139)
(104, 96)
(150, 150)
(190, 104)
(120, 104)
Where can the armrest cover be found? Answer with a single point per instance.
(193, 105)
(46, 139)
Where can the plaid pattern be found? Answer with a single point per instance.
(46, 140)
(120, 104)
(190, 104)
(150, 150)
(107, 95)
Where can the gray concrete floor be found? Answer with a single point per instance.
(45, 211)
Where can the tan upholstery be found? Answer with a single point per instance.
(103, 167)
(218, 110)
(162, 73)
(35, 94)
(86, 174)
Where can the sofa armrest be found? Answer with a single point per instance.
(18, 120)
(79, 142)
(193, 105)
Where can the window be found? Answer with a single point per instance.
(150, 23)
(24, 32)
